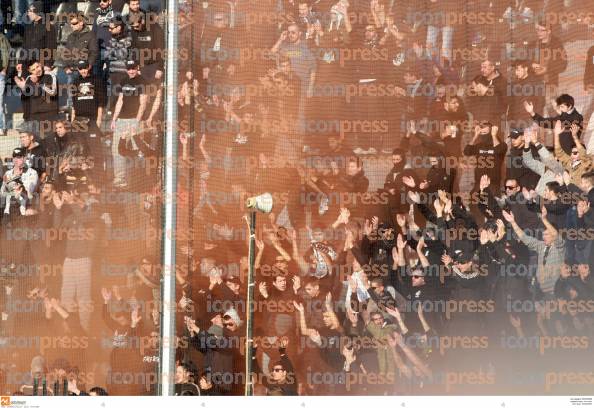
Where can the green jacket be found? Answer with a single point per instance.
(384, 355)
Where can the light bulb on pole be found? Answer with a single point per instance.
(262, 203)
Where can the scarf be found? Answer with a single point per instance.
(104, 16)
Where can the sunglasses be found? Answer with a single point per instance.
(510, 187)
(277, 370)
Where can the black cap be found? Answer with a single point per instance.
(516, 133)
(131, 64)
(462, 257)
(19, 152)
(82, 64)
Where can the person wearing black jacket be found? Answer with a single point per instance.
(81, 44)
(516, 169)
(89, 97)
(282, 379)
(567, 114)
(36, 154)
(489, 152)
(39, 41)
(498, 83)
(513, 200)
(125, 355)
(525, 86)
(57, 144)
(354, 181)
(548, 55)
(222, 355)
(145, 40)
(483, 104)
(39, 94)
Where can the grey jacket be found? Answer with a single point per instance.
(547, 167)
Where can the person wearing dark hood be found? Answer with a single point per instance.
(489, 153)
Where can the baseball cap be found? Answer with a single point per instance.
(462, 256)
(19, 152)
(516, 133)
(82, 64)
(130, 64)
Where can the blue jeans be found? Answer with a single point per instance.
(65, 94)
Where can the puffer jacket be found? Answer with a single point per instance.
(80, 45)
(117, 51)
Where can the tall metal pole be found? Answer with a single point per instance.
(167, 358)
(249, 389)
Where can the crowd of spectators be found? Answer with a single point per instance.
(431, 179)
